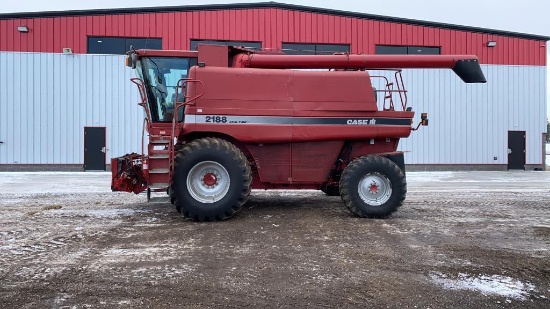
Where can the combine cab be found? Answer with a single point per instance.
(224, 120)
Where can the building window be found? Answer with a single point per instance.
(251, 45)
(407, 50)
(314, 49)
(119, 46)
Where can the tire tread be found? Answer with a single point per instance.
(232, 151)
(356, 167)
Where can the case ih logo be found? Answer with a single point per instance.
(361, 121)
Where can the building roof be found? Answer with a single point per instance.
(276, 5)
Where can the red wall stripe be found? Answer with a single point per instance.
(56, 29)
(271, 26)
(347, 30)
(3, 34)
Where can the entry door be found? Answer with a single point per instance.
(94, 148)
(516, 150)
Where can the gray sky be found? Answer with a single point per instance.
(527, 16)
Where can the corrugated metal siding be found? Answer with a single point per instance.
(271, 26)
(46, 100)
(469, 123)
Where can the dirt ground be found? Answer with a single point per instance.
(462, 240)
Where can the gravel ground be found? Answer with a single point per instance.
(462, 240)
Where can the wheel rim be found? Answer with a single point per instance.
(208, 182)
(375, 189)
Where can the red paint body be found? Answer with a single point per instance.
(271, 26)
(288, 153)
(295, 127)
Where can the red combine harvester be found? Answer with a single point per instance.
(224, 120)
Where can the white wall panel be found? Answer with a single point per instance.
(46, 100)
(469, 123)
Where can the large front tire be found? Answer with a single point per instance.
(373, 187)
(212, 180)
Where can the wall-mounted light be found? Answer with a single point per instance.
(24, 29)
(491, 44)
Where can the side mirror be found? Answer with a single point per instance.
(424, 119)
(134, 60)
(131, 60)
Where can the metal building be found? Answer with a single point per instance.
(66, 101)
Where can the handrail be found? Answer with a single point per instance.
(175, 119)
(400, 83)
(181, 85)
(143, 160)
(142, 93)
(389, 90)
(146, 123)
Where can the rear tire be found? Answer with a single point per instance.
(212, 180)
(373, 187)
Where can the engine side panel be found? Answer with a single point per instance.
(312, 162)
(272, 162)
(294, 163)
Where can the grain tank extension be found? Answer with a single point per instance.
(221, 121)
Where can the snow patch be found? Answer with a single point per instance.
(487, 285)
(429, 176)
(97, 213)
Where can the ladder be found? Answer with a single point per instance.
(158, 163)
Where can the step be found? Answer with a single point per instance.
(159, 156)
(159, 186)
(156, 178)
(159, 141)
(157, 164)
(159, 171)
(153, 152)
(160, 199)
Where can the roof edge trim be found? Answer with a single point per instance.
(276, 5)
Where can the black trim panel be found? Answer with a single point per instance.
(407, 50)
(246, 44)
(314, 48)
(276, 5)
(469, 71)
(282, 120)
